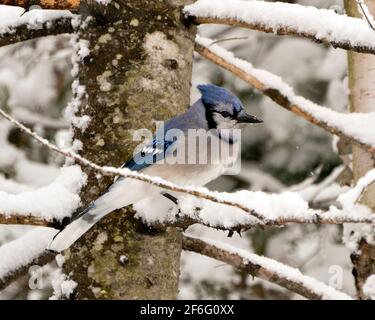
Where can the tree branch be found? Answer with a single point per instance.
(26, 220)
(45, 206)
(281, 93)
(321, 25)
(45, 4)
(19, 255)
(186, 221)
(27, 31)
(44, 258)
(284, 31)
(264, 268)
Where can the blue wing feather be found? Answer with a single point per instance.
(150, 154)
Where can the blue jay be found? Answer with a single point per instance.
(218, 109)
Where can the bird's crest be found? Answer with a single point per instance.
(213, 95)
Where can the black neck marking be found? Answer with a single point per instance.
(226, 139)
(210, 116)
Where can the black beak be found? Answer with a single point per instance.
(247, 118)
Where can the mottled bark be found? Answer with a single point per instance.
(362, 99)
(138, 70)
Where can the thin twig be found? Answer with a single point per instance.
(365, 12)
(228, 39)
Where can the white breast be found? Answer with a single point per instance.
(196, 162)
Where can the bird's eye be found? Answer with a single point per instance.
(225, 114)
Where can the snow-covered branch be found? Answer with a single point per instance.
(353, 126)
(264, 268)
(45, 4)
(44, 206)
(276, 210)
(319, 25)
(228, 223)
(29, 220)
(35, 24)
(19, 255)
(242, 210)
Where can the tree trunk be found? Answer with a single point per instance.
(138, 70)
(362, 99)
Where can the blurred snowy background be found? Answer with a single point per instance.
(285, 153)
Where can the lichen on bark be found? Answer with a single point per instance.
(138, 70)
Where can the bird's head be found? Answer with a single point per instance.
(223, 109)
